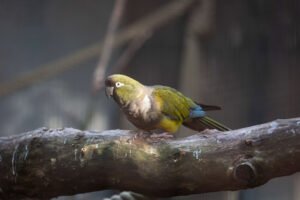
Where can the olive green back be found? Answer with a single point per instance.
(173, 103)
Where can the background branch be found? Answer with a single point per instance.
(148, 24)
(130, 52)
(47, 163)
(100, 71)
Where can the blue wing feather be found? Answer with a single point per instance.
(197, 112)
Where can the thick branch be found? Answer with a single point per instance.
(47, 163)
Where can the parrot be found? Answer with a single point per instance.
(158, 107)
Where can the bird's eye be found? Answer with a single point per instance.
(119, 84)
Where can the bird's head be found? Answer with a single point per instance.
(122, 88)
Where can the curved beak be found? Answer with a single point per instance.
(109, 91)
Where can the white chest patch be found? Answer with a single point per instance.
(139, 108)
(145, 104)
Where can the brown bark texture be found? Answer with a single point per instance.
(46, 163)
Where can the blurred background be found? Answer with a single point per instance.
(243, 55)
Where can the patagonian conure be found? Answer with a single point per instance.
(159, 107)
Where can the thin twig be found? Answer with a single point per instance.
(126, 57)
(100, 70)
(129, 53)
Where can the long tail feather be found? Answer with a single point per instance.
(202, 123)
(208, 107)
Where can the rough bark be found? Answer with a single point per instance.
(46, 163)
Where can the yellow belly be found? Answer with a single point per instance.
(168, 125)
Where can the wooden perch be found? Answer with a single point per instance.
(46, 163)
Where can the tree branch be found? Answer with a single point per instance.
(46, 163)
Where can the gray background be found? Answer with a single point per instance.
(247, 62)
